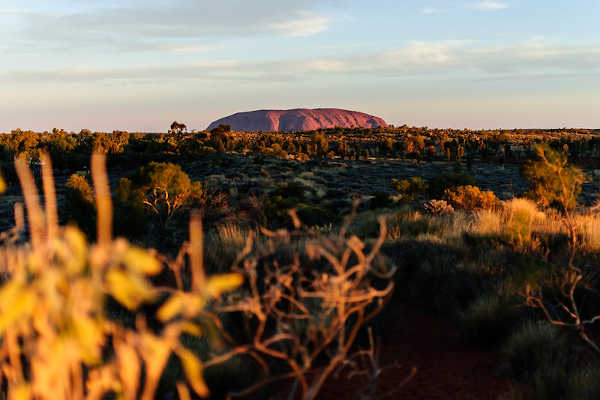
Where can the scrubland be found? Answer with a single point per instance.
(220, 264)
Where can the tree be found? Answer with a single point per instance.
(161, 188)
(177, 127)
(79, 202)
(552, 180)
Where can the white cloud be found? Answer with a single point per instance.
(459, 59)
(303, 26)
(431, 10)
(491, 5)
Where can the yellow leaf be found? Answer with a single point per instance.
(18, 302)
(171, 308)
(129, 289)
(219, 284)
(90, 337)
(193, 371)
(78, 249)
(22, 392)
(142, 261)
(192, 329)
(2, 185)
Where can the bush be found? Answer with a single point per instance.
(553, 181)
(488, 320)
(410, 188)
(438, 185)
(161, 188)
(381, 200)
(79, 204)
(534, 346)
(471, 198)
(438, 207)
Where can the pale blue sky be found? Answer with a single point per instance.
(139, 64)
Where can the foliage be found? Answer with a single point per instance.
(532, 347)
(438, 207)
(438, 185)
(58, 334)
(471, 198)
(79, 202)
(488, 320)
(410, 188)
(553, 181)
(161, 188)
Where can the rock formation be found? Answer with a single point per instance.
(298, 120)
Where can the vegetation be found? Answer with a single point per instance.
(296, 300)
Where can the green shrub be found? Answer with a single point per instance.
(488, 320)
(438, 185)
(79, 204)
(584, 383)
(381, 200)
(410, 188)
(162, 189)
(534, 346)
(471, 198)
(552, 180)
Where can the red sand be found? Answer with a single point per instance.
(447, 368)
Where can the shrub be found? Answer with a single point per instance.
(55, 316)
(438, 207)
(381, 200)
(161, 188)
(438, 185)
(488, 320)
(553, 181)
(79, 204)
(471, 198)
(535, 345)
(410, 188)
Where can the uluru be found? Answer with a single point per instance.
(300, 119)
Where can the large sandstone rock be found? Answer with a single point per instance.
(298, 120)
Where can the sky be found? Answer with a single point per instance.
(137, 65)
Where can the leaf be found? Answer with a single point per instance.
(77, 258)
(22, 392)
(141, 261)
(17, 301)
(171, 308)
(90, 337)
(129, 289)
(187, 304)
(219, 284)
(2, 185)
(193, 371)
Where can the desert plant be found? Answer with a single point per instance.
(301, 314)
(438, 207)
(553, 181)
(162, 188)
(471, 198)
(535, 345)
(437, 186)
(59, 339)
(488, 320)
(409, 188)
(79, 202)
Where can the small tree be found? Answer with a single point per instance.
(162, 188)
(552, 180)
(79, 202)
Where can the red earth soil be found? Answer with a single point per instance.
(446, 367)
